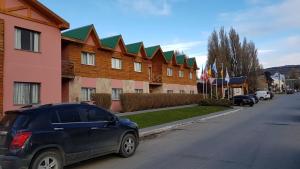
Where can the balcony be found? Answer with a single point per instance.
(68, 70)
(156, 80)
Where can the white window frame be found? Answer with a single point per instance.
(88, 58)
(115, 93)
(191, 75)
(181, 73)
(116, 63)
(137, 66)
(26, 93)
(138, 90)
(86, 92)
(34, 40)
(169, 71)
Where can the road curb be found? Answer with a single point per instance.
(181, 124)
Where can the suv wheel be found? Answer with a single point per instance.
(48, 160)
(128, 145)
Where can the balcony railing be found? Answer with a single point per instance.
(67, 68)
(156, 79)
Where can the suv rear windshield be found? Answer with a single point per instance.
(14, 120)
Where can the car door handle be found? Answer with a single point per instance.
(95, 128)
(58, 129)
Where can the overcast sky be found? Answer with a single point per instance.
(185, 25)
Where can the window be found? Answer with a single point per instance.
(181, 92)
(181, 73)
(116, 63)
(86, 93)
(87, 58)
(169, 72)
(27, 40)
(191, 75)
(138, 90)
(169, 91)
(192, 92)
(137, 67)
(115, 95)
(69, 115)
(26, 93)
(96, 114)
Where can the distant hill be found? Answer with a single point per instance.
(284, 69)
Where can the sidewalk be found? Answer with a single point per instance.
(153, 110)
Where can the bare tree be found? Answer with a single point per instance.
(240, 58)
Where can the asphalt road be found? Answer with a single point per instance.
(266, 136)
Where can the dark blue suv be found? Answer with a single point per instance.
(53, 136)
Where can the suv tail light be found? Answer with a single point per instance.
(19, 140)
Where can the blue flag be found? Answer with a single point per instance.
(214, 67)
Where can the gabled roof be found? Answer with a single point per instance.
(61, 23)
(191, 62)
(111, 42)
(168, 55)
(134, 48)
(80, 33)
(180, 59)
(150, 51)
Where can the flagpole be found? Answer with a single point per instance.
(222, 71)
(217, 86)
(227, 90)
(216, 73)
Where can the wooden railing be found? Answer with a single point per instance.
(156, 79)
(67, 68)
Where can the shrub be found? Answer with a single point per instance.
(135, 102)
(214, 102)
(102, 100)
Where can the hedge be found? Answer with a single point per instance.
(134, 102)
(214, 102)
(102, 100)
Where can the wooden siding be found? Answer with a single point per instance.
(175, 79)
(1, 64)
(71, 52)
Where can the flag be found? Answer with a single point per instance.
(227, 78)
(214, 67)
(211, 80)
(202, 74)
(209, 74)
(222, 72)
(205, 74)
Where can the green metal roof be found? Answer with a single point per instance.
(78, 33)
(151, 50)
(191, 62)
(110, 42)
(169, 55)
(180, 59)
(134, 48)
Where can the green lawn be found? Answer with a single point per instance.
(165, 116)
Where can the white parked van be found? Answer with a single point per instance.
(263, 95)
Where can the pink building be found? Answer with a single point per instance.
(30, 54)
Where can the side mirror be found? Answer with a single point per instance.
(113, 119)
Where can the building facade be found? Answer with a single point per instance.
(30, 54)
(94, 65)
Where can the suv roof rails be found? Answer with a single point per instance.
(27, 106)
(46, 105)
(87, 103)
